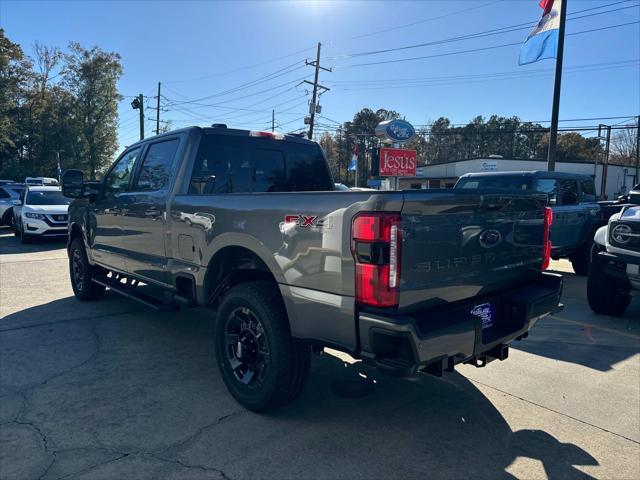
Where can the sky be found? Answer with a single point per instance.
(235, 62)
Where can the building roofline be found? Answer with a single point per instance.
(586, 162)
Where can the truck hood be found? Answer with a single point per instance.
(46, 209)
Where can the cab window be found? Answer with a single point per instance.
(548, 186)
(588, 191)
(157, 166)
(569, 192)
(226, 164)
(117, 180)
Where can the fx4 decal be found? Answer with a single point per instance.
(312, 222)
(304, 221)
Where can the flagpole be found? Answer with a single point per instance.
(555, 111)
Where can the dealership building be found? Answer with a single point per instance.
(620, 178)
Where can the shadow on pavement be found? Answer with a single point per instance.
(592, 340)
(11, 244)
(146, 383)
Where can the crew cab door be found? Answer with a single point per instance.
(144, 212)
(105, 214)
(564, 211)
(572, 216)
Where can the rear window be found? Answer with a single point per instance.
(495, 182)
(229, 164)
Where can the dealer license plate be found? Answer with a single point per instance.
(486, 312)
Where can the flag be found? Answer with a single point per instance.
(353, 166)
(59, 169)
(542, 42)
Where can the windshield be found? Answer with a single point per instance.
(50, 197)
(496, 182)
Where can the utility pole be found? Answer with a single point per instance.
(158, 111)
(138, 104)
(313, 108)
(605, 163)
(273, 120)
(553, 133)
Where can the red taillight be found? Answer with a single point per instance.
(546, 240)
(376, 250)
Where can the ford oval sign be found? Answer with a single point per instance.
(395, 131)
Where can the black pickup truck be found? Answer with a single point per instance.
(249, 224)
(572, 199)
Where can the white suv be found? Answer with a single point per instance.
(614, 276)
(41, 212)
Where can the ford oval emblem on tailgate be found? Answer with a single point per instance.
(490, 238)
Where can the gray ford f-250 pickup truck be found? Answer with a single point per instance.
(249, 223)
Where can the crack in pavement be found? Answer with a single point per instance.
(68, 320)
(201, 430)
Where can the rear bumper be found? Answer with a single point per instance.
(435, 340)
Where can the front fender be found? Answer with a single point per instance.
(601, 236)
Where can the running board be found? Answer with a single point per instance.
(134, 294)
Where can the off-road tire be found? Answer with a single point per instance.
(581, 259)
(287, 370)
(81, 273)
(606, 294)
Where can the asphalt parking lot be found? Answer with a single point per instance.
(111, 390)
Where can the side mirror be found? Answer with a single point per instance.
(73, 184)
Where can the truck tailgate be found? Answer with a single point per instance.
(459, 244)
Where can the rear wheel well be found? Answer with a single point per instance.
(231, 266)
(74, 233)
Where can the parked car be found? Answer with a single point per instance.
(41, 212)
(634, 195)
(572, 198)
(614, 277)
(611, 207)
(615, 267)
(9, 195)
(41, 181)
(341, 187)
(409, 282)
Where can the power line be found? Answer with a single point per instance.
(228, 72)
(486, 33)
(266, 78)
(525, 24)
(244, 96)
(408, 80)
(398, 27)
(461, 79)
(492, 47)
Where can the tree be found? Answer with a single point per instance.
(91, 77)
(361, 130)
(623, 147)
(571, 146)
(56, 104)
(15, 75)
(330, 148)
